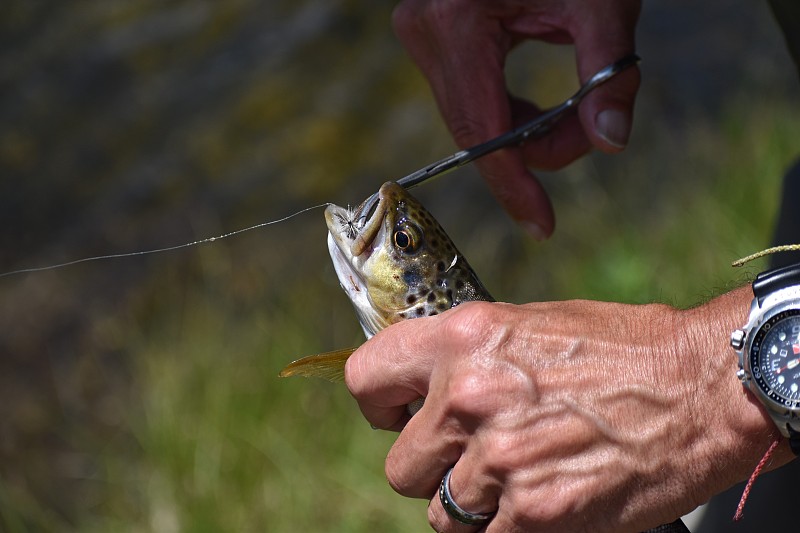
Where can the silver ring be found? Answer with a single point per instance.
(454, 510)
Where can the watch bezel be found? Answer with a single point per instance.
(764, 321)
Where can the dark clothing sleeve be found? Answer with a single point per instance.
(787, 14)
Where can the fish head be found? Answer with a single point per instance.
(396, 262)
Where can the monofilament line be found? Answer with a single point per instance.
(768, 251)
(161, 250)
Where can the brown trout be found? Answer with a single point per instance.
(394, 264)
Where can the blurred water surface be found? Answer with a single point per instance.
(141, 394)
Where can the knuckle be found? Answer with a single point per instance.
(467, 394)
(469, 124)
(396, 475)
(465, 131)
(352, 377)
(478, 326)
(501, 454)
(435, 515)
(469, 322)
(393, 476)
(528, 512)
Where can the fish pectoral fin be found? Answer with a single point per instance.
(328, 365)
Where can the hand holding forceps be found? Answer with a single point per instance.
(537, 127)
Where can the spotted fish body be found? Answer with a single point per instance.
(394, 264)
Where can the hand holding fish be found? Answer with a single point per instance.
(560, 416)
(566, 416)
(464, 65)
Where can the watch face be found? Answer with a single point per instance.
(775, 358)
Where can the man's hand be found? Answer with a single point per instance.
(568, 416)
(461, 47)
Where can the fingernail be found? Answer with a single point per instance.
(534, 230)
(614, 127)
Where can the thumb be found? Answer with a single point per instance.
(606, 113)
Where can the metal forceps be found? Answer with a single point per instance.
(535, 128)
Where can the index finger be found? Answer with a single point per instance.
(392, 370)
(464, 64)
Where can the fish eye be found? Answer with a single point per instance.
(407, 239)
(402, 239)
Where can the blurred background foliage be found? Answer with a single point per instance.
(141, 394)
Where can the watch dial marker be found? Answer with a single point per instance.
(774, 372)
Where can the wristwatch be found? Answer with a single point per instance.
(769, 348)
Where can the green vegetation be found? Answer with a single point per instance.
(142, 394)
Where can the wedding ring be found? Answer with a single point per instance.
(455, 510)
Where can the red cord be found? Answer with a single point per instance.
(759, 467)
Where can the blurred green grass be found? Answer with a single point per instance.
(216, 442)
(142, 395)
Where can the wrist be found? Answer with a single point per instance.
(735, 429)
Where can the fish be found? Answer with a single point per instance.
(395, 263)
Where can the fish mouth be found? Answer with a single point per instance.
(355, 231)
(352, 237)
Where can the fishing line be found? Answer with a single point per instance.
(161, 250)
(768, 251)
